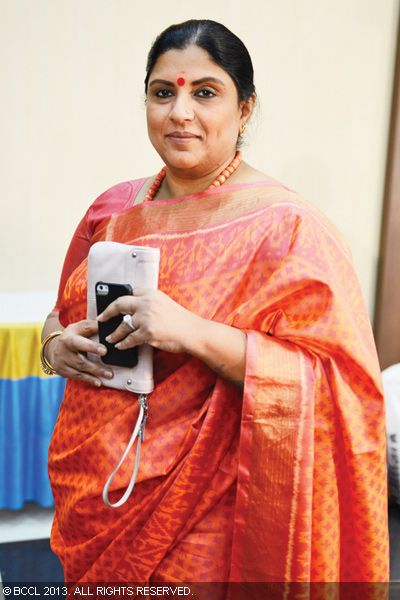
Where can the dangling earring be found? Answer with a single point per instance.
(242, 129)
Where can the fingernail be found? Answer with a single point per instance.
(108, 374)
(97, 383)
(108, 338)
(101, 350)
(117, 346)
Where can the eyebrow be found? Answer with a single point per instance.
(197, 82)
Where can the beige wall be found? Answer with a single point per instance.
(72, 117)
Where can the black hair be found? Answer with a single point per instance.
(223, 47)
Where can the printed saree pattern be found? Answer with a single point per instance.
(283, 481)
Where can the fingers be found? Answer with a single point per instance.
(68, 354)
(121, 306)
(77, 366)
(72, 373)
(76, 338)
(76, 343)
(83, 364)
(122, 331)
(124, 339)
(130, 341)
(86, 328)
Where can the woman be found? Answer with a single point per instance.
(264, 457)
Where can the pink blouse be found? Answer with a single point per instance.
(113, 200)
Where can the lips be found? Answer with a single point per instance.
(182, 135)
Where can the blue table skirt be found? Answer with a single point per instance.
(28, 412)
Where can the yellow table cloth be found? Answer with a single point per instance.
(29, 404)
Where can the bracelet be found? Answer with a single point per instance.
(45, 365)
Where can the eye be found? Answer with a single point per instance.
(163, 93)
(205, 93)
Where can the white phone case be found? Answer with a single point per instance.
(113, 262)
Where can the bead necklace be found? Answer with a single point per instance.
(222, 177)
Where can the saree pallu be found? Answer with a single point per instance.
(283, 481)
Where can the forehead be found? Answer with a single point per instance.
(193, 62)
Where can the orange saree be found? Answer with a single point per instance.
(284, 480)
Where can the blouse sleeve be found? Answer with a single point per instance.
(113, 200)
(77, 251)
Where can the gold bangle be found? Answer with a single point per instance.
(45, 365)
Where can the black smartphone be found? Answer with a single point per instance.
(105, 294)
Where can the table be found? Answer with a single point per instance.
(29, 404)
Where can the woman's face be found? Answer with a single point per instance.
(193, 126)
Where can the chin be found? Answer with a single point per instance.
(180, 160)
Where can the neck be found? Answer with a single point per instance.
(178, 183)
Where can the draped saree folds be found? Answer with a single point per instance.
(284, 480)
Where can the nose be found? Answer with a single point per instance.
(182, 108)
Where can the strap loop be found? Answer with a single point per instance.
(138, 432)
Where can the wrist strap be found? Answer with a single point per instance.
(138, 432)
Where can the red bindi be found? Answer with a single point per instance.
(180, 81)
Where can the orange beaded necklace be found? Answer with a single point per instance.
(222, 177)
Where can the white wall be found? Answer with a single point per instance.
(72, 119)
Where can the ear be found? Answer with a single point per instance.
(247, 107)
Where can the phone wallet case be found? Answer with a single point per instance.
(113, 262)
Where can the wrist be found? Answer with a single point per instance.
(45, 363)
(221, 347)
(49, 349)
(196, 335)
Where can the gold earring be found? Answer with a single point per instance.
(243, 128)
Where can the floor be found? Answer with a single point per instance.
(25, 554)
(26, 559)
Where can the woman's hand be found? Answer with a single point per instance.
(66, 353)
(159, 321)
(165, 324)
